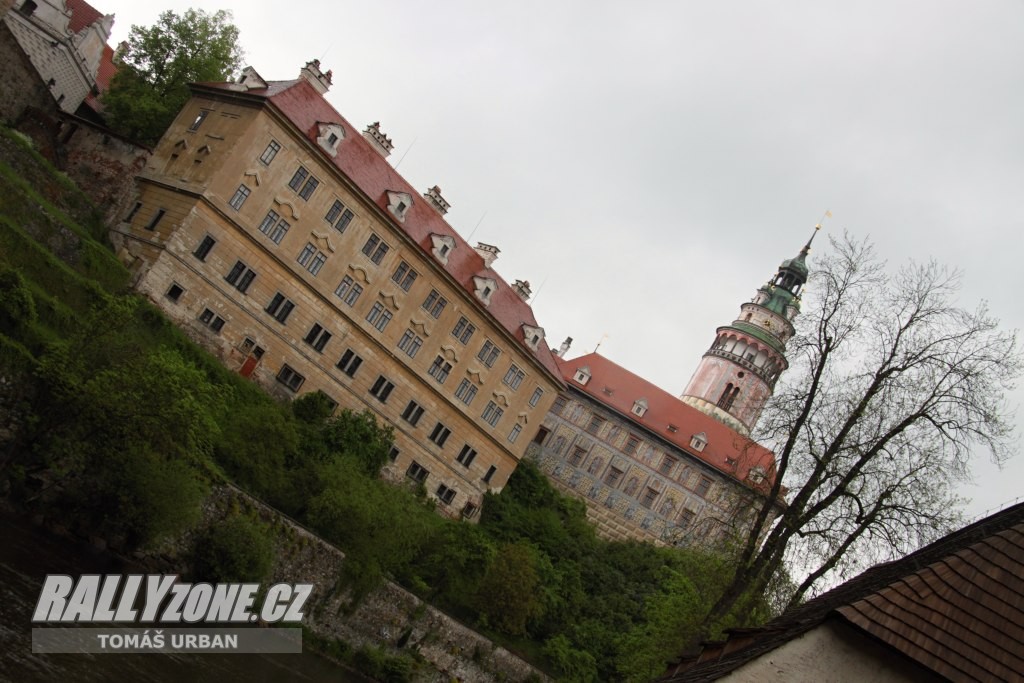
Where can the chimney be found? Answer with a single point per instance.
(564, 347)
(488, 252)
(319, 80)
(522, 288)
(435, 199)
(382, 143)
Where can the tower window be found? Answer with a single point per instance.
(728, 397)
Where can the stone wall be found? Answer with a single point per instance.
(102, 164)
(388, 615)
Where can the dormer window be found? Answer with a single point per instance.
(699, 441)
(329, 136)
(582, 375)
(442, 247)
(484, 287)
(640, 407)
(533, 336)
(756, 474)
(398, 204)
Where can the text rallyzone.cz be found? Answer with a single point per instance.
(113, 599)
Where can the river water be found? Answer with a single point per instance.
(27, 554)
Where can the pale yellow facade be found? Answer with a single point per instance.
(194, 240)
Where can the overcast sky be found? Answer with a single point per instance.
(647, 165)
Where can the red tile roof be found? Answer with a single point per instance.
(83, 15)
(304, 107)
(956, 607)
(664, 409)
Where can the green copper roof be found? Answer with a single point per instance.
(760, 334)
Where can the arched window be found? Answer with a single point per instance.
(723, 401)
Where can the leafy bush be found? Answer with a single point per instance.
(237, 549)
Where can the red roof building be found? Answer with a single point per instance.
(678, 470)
(279, 236)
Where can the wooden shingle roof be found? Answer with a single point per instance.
(955, 607)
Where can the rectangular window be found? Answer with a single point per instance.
(703, 486)
(595, 424)
(211, 320)
(535, 399)
(666, 464)
(318, 262)
(303, 183)
(632, 444)
(204, 248)
(466, 456)
(650, 495)
(241, 194)
(274, 227)
(577, 456)
(412, 413)
(375, 249)
(393, 453)
(156, 219)
(466, 391)
(514, 377)
(489, 353)
(300, 177)
(198, 121)
(280, 308)
(514, 434)
(410, 343)
(434, 303)
(468, 511)
(490, 473)
(445, 494)
(382, 388)
(312, 259)
(613, 476)
(174, 292)
(417, 472)
(463, 330)
(379, 316)
(686, 518)
(492, 413)
(339, 216)
(559, 405)
(440, 434)
(317, 337)
(270, 152)
(291, 379)
(349, 363)
(440, 369)
(131, 214)
(307, 190)
(240, 276)
(348, 291)
(404, 276)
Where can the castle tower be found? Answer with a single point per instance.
(738, 373)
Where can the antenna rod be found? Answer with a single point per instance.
(406, 152)
(476, 226)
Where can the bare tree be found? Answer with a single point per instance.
(892, 389)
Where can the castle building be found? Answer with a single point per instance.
(66, 41)
(279, 236)
(680, 471)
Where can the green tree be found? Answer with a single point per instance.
(237, 549)
(507, 596)
(893, 389)
(151, 84)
